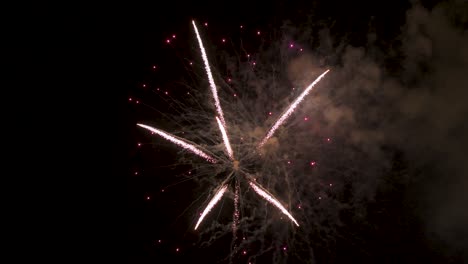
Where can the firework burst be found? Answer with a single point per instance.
(240, 159)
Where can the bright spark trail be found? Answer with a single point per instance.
(291, 109)
(179, 142)
(212, 203)
(263, 193)
(225, 139)
(210, 76)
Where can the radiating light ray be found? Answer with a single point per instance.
(212, 203)
(263, 193)
(225, 139)
(210, 76)
(180, 143)
(291, 109)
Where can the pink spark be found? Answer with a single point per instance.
(137, 102)
(306, 118)
(291, 45)
(177, 250)
(147, 198)
(300, 49)
(328, 139)
(206, 24)
(312, 163)
(139, 144)
(130, 99)
(173, 36)
(168, 41)
(235, 95)
(136, 172)
(258, 32)
(144, 85)
(224, 40)
(154, 67)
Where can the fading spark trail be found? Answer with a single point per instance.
(212, 203)
(271, 199)
(291, 109)
(179, 142)
(210, 76)
(225, 139)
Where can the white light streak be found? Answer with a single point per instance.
(210, 76)
(263, 193)
(180, 143)
(291, 109)
(225, 139)
(212, 203)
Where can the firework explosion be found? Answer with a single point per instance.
(237, 171)
(243, 158)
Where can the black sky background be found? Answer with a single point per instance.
(397, 235)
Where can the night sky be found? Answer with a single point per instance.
(386, 130)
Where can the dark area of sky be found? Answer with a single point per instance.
(393, 240)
